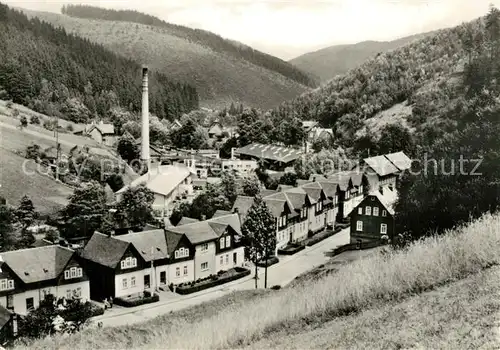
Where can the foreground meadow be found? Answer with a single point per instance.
(363, 285)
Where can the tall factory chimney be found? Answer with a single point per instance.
(145, 119)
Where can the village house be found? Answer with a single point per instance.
(170, 184)
(100, 132)
(384, 171)
(312, 206)
(274, 157)
(215, 244)
(27, 276)
(127, 265)
(314, 133)
(372, 219)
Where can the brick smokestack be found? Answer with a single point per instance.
(145, 118)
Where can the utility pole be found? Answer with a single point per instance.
(255, 253)
(267, 260)
(57, 147)
(153, 286)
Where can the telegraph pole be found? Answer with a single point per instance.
(267, 261)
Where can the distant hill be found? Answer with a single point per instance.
(222, 70)
(338, 59)
(61, 74)
(413, 85)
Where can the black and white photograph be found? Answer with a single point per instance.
(249, 174)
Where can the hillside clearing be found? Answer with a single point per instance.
(47, 194)
(363, 284)
(219, 78)
(397, 114)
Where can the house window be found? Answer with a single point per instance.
(73, 272)
(227, 259)
(359, 226)
(185, 270)
(360, 189)
(368, 210)
(177, 271)
(204, 247)
(124, 283)
(30, 304)
(69, 294)
(132, 281)
(11, 284)
(222, 243)
(228, 241)
(384, 212)
(347, 195)
(360, 211)
(221, 260)
(303, 214)
(204, 266)
(129, 263)
(3, 284)
(375, 211)
(182, 253)
(163, 277)
(383, 229)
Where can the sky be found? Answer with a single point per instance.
(290, 28)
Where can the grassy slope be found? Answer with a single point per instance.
(373, 282)
(338, 59)
(218, 78)
(462, 315)
(47, 194)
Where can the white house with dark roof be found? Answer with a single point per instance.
(215, 244)
(170, 184)
(28, 275)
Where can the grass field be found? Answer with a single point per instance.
(47, 194)
(219, 78)
(371, 283)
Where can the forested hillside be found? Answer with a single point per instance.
(57, 73)
(420, 73)
(338, 59)
(205, 38)
(220, 76)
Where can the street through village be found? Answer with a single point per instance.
(281, 274)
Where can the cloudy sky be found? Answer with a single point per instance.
(289, 28)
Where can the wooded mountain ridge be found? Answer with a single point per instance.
(60, 74)
(330, 61)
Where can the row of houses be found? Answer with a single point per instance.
(121, 266)
(323, 201)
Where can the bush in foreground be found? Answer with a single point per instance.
(423, 265)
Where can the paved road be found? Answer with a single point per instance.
(282, 273)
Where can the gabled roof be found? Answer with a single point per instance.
(185, 220)
(216, 129)
(208, 230)
(162, 179)
(276, 206)
(342, 179)
(271, 152)
(384, 201)
(243, 204)
(330, 188)
(400, 160)
(221, 212)
(152, 245)
(309, 124)
(105, 250)
(173, 239)
(302, 182)
(381, 165)
(38, 264)
(317, 177)
(313, 190)
(300, 191)
(105, 129)
(266, 192)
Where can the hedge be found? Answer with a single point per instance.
(321, 236)
(270, 261)
(291, 249)
(215, 281)
(356, 246)
(138, 301)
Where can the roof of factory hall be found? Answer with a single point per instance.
(270, 152)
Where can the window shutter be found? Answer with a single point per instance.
(66, 274)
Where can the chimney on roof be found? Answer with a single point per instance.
(145, 118)
(236, 210)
